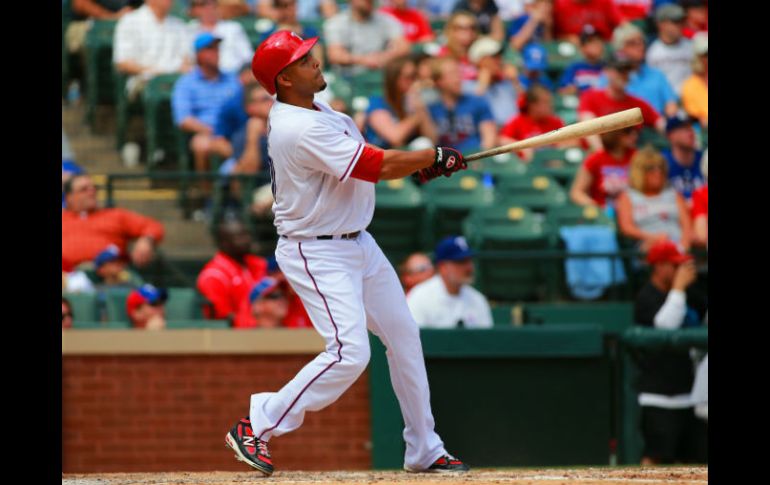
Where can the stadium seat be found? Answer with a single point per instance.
(507, 227)
(535, 192)
(100, 75)
(614, 317)
(398, 224)
(565, 107)
(84, 307)
(115, 304)
(161, 132)
(250, 24)
(124, 109)
(572, 215)
(183, 304)
(505, 164)
(560, 55)
(450, 200)
(560, 163)
(652, 137)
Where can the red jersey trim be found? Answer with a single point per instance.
(352, 161)
(369, 165)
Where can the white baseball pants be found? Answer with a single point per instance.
(348, 286)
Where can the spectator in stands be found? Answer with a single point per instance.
(297, 316)
(149, 41)
(535, 62)
(88, 229)
(645, 82)
(413, 20)
(307, 10)
(286, 19)
(67, 316)
(695, 90)
(235, 50)
(585, 73)
(145, 307)
(361, 38)
(226, 280)
(536, 25)
(486, 13)
(233, 116)
(447, 300)
(269, 305)
(398, 116)
(700, 207)
(569, 17)
(461, 31)
(671, 432)
(83, 14)
(511, 9)
(230, 9)
(696, 17)
(535, 118)
(496, 80)
(416, 268)
(464, 121)
(683, 157)
(613, 98)
(651, 211)
(604, 174)
(671, 52)
(110, 269)
(68, 170)
(636, 9)
(197, 99)
(249, 142)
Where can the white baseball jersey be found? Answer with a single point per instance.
(433, 307)
(312, 154)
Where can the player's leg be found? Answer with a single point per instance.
(389, 318)
(327, 277)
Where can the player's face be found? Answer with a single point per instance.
(305, 75)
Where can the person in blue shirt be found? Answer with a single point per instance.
(684, 160)
(464, 122)
(398, 116)
(644, 82)
(197, 99)
(586, 73)
(535, 59)
(536, 25)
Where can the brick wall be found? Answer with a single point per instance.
(171, 413)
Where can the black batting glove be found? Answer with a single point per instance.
(449, 161)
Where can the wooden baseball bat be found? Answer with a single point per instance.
(595, 126)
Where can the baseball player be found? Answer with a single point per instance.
(323, 175)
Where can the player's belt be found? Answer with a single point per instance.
(350, 235)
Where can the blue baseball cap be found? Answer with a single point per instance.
(453, 248)
(272, 265)
(205, 40)
(68, 166)
(677, 121)
(146, 293)
(535, 57)
(112, 253)
(262, 288)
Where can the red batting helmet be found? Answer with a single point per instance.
(275, 53)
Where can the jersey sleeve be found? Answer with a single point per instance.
(323, 148)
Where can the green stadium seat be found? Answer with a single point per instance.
(565, 107)
(85, 306)
(115, 304)
(507, 227)
(450, 200)
(398, 224)
(614, 317)
(367, 83)
(560, 163)
(573, 215)
(254, 27)
(100, 75)
(535, 192)
(561, 54)
(505, 164)
(183, 304)
(652, 137)
(196, 324)
(161, 132)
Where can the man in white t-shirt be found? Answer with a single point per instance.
(671, 52)
(323, 175)
(448, 300)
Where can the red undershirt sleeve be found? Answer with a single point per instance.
(369, 165)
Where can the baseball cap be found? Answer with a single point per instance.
(666, 252)
(204, 40)
(535, 57)
(671, 12)
(483, 47)
(68, 166)
(112, 253)
(589, 32)
(453, 248)
(146, 293)
(678, 121)
(262, 288)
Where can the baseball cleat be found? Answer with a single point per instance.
(445, 464)
(248, 448)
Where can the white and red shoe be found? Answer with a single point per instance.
(248, 448)
(444, 464)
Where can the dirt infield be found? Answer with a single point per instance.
(554, 476)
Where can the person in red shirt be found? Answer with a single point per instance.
(86, 229)
(461, 31)
(535, 118)
(571, 15)
(634, 9)
(604, 174)
(597, 102)
(297, 316)
(696, 17)
(228, 278)
(416, 26)
(145, 307)
(700, 207)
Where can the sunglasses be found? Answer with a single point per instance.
(276, 295)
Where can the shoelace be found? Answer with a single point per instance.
(262, 447)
